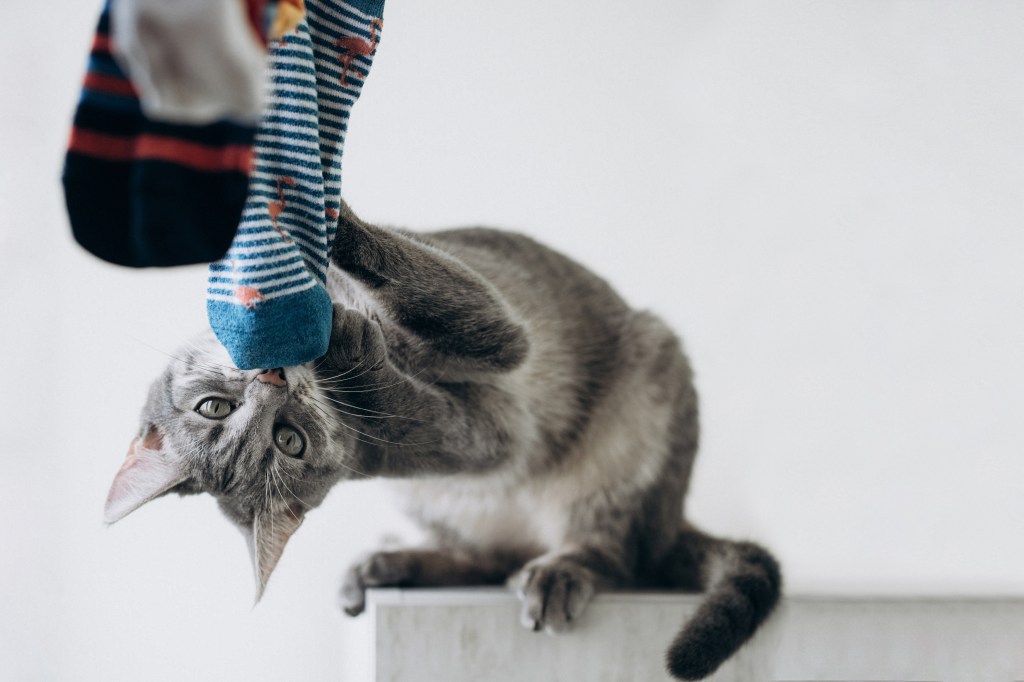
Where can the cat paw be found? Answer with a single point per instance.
(553, 594)
(357, 343)
(381, 569)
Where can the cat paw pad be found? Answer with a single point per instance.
(553, 595)
(356, 343)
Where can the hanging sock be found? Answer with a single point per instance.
(160, 188)
(266, 299)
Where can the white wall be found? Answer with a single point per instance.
(824, 198)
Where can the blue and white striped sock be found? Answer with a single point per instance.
(266, 299)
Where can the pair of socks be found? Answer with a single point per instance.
(149, 183)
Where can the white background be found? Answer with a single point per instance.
(825, 199)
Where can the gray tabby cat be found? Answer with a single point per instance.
(539, 429)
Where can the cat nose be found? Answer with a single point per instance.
(272, 376)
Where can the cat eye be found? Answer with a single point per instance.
(288, 441)
(214, 408)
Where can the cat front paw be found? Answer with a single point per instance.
(357, 345)
(380, 569)
(553, 593)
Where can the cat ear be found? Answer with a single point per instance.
(270, 533)
(147, 473)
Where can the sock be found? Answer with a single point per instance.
(266, 299)
(145, 193)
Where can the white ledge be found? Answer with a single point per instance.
(473, 634)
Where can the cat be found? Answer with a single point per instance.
(539, 429)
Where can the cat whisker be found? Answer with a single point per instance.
(277, 474)
(358, 416)
(284, 472)
(358, 440)
(345, 373)
(206, 368)
(276, 489)
(376, 414)
(379, 388)
(268, 498)
(320, 409)
(354, 471)
(365, 371)
(210, 363)
(383, 440)
(334, 384)
(191, 362)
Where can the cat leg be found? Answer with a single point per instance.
(417, 568)
(555, 588)
(404, 426)
(456, 313)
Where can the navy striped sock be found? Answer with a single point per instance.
(143, 193)
(266, 299)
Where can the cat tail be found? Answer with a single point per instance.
(742, 583)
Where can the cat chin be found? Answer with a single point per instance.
(238, 517)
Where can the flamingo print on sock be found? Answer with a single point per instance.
(354, 46)
(248, 296)
(275, 208)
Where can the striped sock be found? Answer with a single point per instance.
(144, 193)
(266, 299)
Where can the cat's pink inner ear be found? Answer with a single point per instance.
(153, 440)
(147, 473)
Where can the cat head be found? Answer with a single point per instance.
(263, 442)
